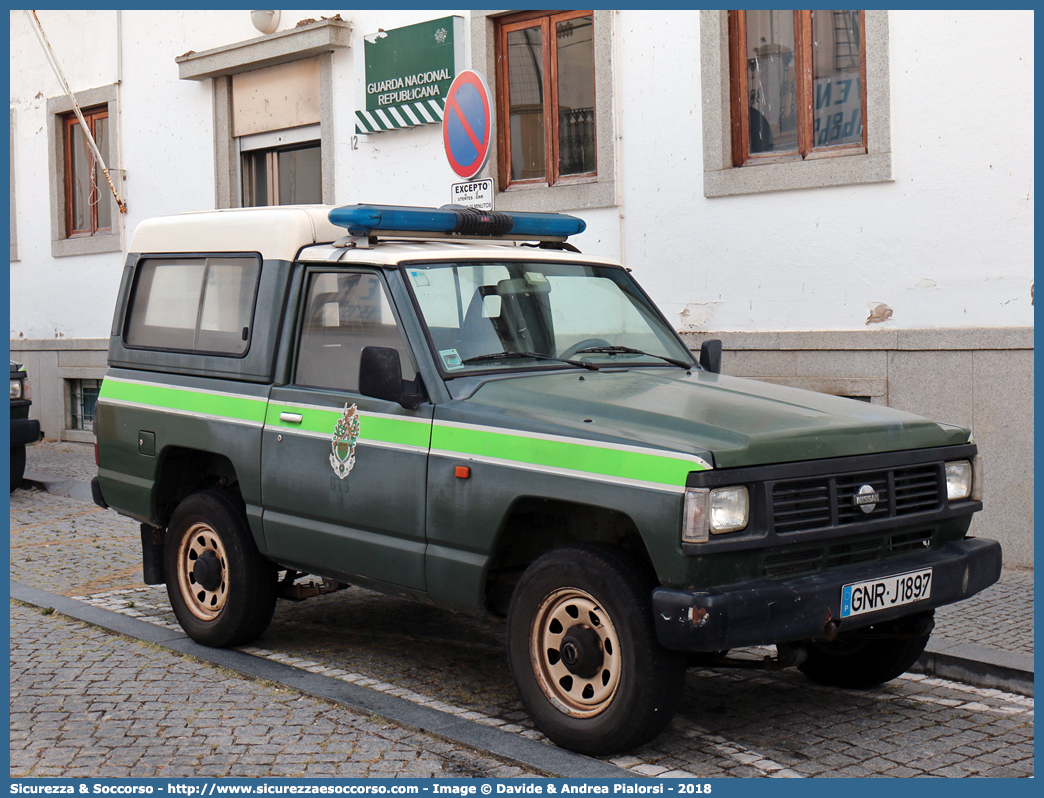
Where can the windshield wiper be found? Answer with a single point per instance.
(537, 355)
(627, 350)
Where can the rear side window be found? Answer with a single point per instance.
(202, 304)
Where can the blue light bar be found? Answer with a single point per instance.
(364, 220)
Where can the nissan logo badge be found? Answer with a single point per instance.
(866, 499)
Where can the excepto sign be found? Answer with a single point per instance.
(405, 74)
(475, 194)
(467, 126)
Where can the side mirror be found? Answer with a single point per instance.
(710, 356)
(380, 376)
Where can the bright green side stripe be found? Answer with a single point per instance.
(371, 428)
(559, 454)
(238, 407)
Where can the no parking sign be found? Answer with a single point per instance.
(467, 124)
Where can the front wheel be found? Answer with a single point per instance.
(584, 654)
(222, 590)
(868, 657)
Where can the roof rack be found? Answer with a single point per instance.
(365, 222)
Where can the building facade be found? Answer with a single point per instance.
(844, 198)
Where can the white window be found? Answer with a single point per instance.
(754, 138)
(276, 85)
(555, 113)
(84, 213)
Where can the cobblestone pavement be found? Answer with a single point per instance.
(1000, 617)
(913, 726)
(62, 458)
(85, 703)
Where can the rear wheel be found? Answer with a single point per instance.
(222, 590)
(584, 654)
(17, 466)
(868, 657)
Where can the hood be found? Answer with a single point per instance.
(738, 422)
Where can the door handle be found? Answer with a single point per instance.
(291, 418)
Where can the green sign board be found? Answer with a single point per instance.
(406, 72)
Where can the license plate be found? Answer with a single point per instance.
(880, 594)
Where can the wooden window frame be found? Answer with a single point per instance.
(548, 25)
(803, 38)
(69, 122)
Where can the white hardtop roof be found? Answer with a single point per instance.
(277, 232)
(281, 232)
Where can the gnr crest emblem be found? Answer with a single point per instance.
(346, 434)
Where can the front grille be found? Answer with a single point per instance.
(807, 504)
(919, 489)
(801, 505)
(827, 557)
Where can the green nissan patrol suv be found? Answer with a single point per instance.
(458, 407)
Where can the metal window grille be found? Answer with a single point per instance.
(576, 139)
(84, 395)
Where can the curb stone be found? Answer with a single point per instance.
(978, 666)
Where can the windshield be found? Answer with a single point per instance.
(531, 315)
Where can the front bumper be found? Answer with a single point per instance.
(764, 611)
(24, 430)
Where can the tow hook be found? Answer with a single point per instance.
(829, 633)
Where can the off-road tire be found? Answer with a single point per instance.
(856, 660)
(637, 685)
(239, 607)
(17, 466)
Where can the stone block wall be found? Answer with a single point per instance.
(50, 364)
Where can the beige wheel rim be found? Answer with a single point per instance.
(561, 618)
(198, 542)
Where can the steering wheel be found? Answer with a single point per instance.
(584, 344)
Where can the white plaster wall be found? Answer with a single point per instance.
(948, 244)
(53, 298)
(167, 148)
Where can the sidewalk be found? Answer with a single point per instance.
(83, 707)
(985, 641)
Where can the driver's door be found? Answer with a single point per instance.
(343, 475)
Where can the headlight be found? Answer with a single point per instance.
(16, 389)
(729, 509)
(714, 512)
(958, 480)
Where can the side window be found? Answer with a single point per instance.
(546, 97)
(194, 304)
(283, 176)
(798, 84)
(344, 312)
(794, 99)
(87, 210)
(84, 214)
